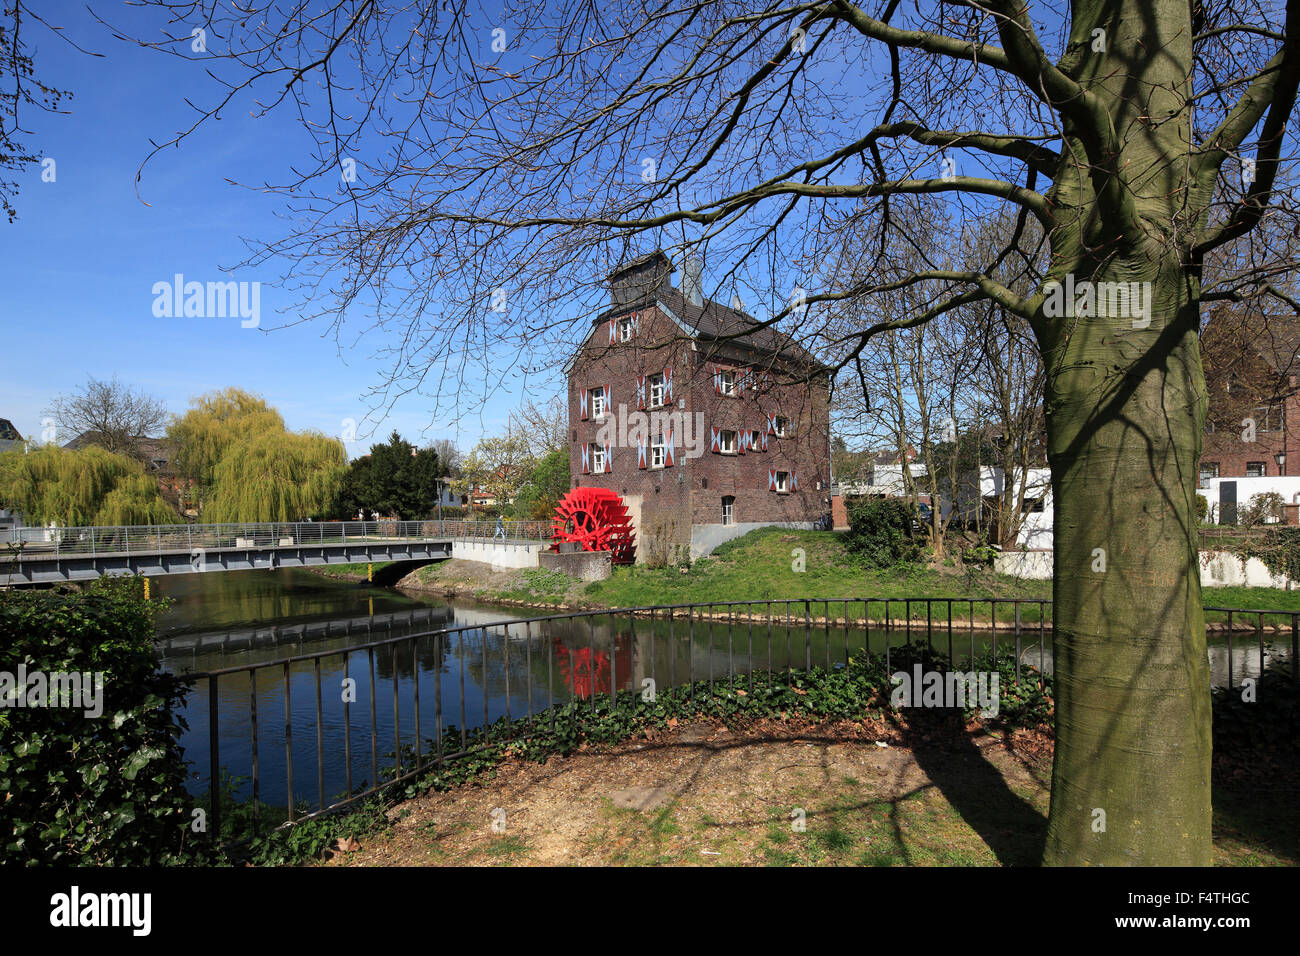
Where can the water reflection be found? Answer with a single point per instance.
(304, 732)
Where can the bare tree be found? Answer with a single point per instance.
(109, 414)
(544, 427)
(525, 153)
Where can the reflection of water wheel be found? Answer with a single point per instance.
(595, 518)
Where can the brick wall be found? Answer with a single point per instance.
(667, 501)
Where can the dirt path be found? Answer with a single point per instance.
(776, 793)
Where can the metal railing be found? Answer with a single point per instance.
(594, 654)
(53, 543)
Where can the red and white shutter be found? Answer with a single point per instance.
(609, 400)
(794, 481)
(764, 439)
(640, 391)
(771, 424)
(668, 386)
(586, 458)
(613, 330)
(771, 479)
(640, 454)
(715, 440)
(582, 405)
(717, 380)
(742, 441)
(669, 455)
(609, 458)
(636, 323)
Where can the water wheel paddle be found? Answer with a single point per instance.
(596, 519)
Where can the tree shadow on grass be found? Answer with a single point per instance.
(1012, 827)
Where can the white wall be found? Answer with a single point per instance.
(1248, 488)
(1218, 569)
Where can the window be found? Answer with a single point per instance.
(1268, 418)
(727, 442)
(597, 459)
(783, 481)
(755, 440)
(657, 391)
(598, 402)
(625, 329)
(1031, 506)
(727, 381)
(781, 426)
(1254, 469)
(728, 509)
(657, 452)
(1209, 471)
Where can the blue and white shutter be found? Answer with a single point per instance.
(582, 405)
(715, 440)
(609, 458)
(640, 391)
(670, 454)
(668, 386)
(586, 458)
(640, 454)
(771, 479)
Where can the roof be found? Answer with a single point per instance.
(147, 449)
(709, 321)
(8, 432)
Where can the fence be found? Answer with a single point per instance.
(151, 539)
(594, 653)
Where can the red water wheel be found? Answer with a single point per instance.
(596, 519)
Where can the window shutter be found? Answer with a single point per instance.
(668, 386)
(609, 400)
(640, 454)
(582, 405)
(613, 330)
(715, 441)
(764, 441)
(794, 481)
(640, 391)
(609, 458)
(586, 458)
(771, 424)
(742, 441)
(669, 456)
(771, 479)
(717, 380)
(636, 323)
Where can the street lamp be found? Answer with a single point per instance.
(1280, 458)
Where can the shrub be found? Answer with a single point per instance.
(1202, 508)
(85, 789)
(881, 531)
(1265, 508)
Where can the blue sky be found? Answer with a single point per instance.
(82, 258)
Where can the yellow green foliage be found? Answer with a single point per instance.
(89, 486)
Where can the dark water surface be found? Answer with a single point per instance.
(493, 663)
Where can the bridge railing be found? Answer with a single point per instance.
(55, 542)
(307, 749)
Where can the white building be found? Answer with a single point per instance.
(1247, 489)
(1036, 513)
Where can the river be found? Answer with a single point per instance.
(491, 665)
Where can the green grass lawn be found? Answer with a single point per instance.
(764, 565)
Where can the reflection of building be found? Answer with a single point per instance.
(586, 669)
(707, 423)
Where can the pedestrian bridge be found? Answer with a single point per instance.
(51, 555)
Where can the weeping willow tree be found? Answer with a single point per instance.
(277, 477)
(247, 467)
(216, 422)
(89, 486)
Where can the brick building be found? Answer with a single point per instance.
(707, 424)
(1251, 369)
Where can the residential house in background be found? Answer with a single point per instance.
(706, 423)
(9, 437)
(1251, 444)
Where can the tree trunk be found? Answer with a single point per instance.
(1125, 409)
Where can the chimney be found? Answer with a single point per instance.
(693, 280)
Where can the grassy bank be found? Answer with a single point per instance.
(776, 564)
